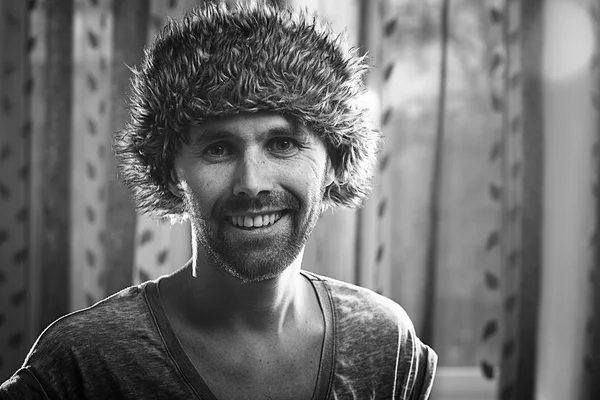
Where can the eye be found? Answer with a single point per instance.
(283, 145)
(217, 150)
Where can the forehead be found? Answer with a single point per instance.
(248, 126)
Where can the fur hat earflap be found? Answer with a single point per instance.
(256, 56)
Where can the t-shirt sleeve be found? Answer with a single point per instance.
(50, 370)
(417, 363)
(426, 363)
(22, 385)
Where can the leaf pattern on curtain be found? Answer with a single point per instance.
(509, 193)
(92, 133)
(493, 278)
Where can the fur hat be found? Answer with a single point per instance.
(220, 61)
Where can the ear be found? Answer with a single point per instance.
(329, 172)
(174, 184)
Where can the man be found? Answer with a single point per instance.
(249, 122)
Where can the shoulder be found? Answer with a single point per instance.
(374, 335)
(111, 350)
(101, 324)
(94, 320)
(91, 343)
(361, 306)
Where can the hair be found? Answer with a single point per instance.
(218, 61)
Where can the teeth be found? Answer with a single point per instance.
(257, 221)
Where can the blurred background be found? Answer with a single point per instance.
(482, 223)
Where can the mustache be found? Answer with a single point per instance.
(265, 201)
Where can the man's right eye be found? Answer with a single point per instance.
(217, 150)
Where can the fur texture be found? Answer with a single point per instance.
(217, 62)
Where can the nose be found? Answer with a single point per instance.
(252, 176)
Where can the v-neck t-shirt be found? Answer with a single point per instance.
(124, 347)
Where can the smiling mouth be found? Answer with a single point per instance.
(255, 221)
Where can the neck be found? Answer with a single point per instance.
(219, 300)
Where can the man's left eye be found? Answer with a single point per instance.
(282, 145)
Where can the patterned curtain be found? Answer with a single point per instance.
(16, 127)
(517, 99)
(548, 99)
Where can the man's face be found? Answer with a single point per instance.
(253, 186)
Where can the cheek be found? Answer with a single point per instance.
(201, 197)
(305, 180)
(208, 178)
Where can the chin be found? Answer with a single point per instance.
(248, 267)
(253, 273)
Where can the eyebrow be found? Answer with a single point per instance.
(211, 135)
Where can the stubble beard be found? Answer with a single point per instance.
(254, 260)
